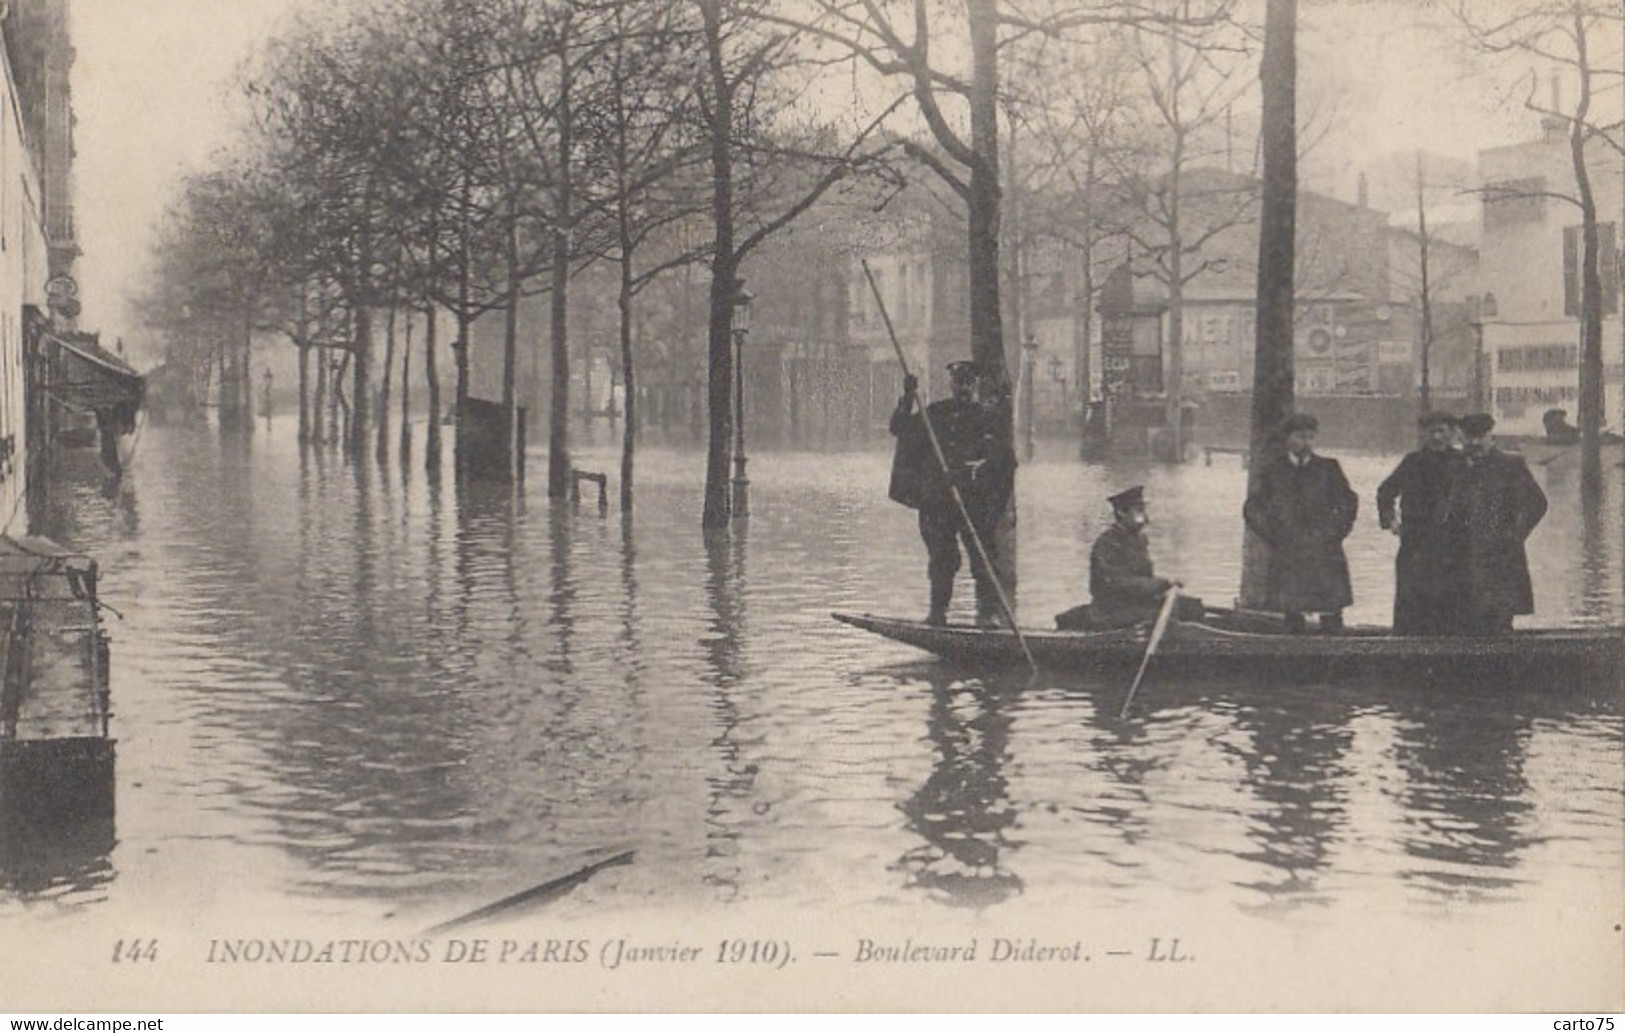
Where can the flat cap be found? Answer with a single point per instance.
(1435, 419)
(1477, 424)
(1299, 421)
(964, 369)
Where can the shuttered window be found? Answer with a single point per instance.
(1607, 268)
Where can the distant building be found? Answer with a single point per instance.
(41, 54)
(25, 256)
(1529, 273)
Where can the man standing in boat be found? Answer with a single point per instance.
(1303, 508)
(1430, 571)
(979, 467)
(1498, 504)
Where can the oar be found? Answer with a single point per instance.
(953, 490)
(552, 889)
(1163, 617)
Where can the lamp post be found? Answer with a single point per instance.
(1029, 349)
(1479, 311)
(1057, 373)
(741, 326)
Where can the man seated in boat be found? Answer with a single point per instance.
(1124, 588)
(980, 470)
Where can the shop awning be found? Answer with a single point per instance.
(84, 375)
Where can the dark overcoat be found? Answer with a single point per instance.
(983, 467)
(1430, 571)
(1500, 504)
(1123, 587)
(1303, 513)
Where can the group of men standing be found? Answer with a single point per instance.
(1462, 509)
(1462, 518)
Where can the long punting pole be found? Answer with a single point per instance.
(1157, 629)
(942, 463)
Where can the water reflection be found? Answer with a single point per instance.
(1467, 806)
(376, 687)
(1295, 767)
(729, 812)
(68, 865)
(963, 811)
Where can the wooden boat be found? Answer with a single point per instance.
(1244, 643)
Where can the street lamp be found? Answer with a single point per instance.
(1057, 373)
(1029, 350)
(1479, 311)
(741, 326)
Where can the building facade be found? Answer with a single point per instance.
(25, 255)
(1528, 274)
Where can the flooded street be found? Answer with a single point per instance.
(341, 695)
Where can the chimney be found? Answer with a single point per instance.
(1363, 194)
(1555, 128)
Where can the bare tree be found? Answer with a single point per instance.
(1190, 62)
(1082, 127)
(1273, 375)
(643, 139)
(1564, 34)
(760, 183)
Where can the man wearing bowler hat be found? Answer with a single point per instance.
(980, 467)
(1302, 507)
(1499, 504)
(1413, 502)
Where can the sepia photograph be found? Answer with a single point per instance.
(909, 506)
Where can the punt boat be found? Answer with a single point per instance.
(1239, 642)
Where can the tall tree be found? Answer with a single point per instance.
(1272, 356)
(1190, 63)
(1565, 34)
(757, 180)
(644, 141)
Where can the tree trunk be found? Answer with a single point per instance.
(628, 376)
(558, 424)
(724, 272)
(304, 393)
(360, 407)
(558, 439)
(1426, 399)
(465, 320)
(431, 372)
(406, 392)
(318, 406)
(1016, 296)
(1272, 358)
(247, 384)
(510, 346)
(381, 449)
(1174, 389)
(982, 228)
(1086, 307)
(1591, 383)
(460, 349)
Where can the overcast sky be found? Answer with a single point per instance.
(151, 80)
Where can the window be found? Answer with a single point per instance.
(1537, 357)
(1607, 268)
(1525, 396)
(1512, 201)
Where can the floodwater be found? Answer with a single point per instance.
(346, 695)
